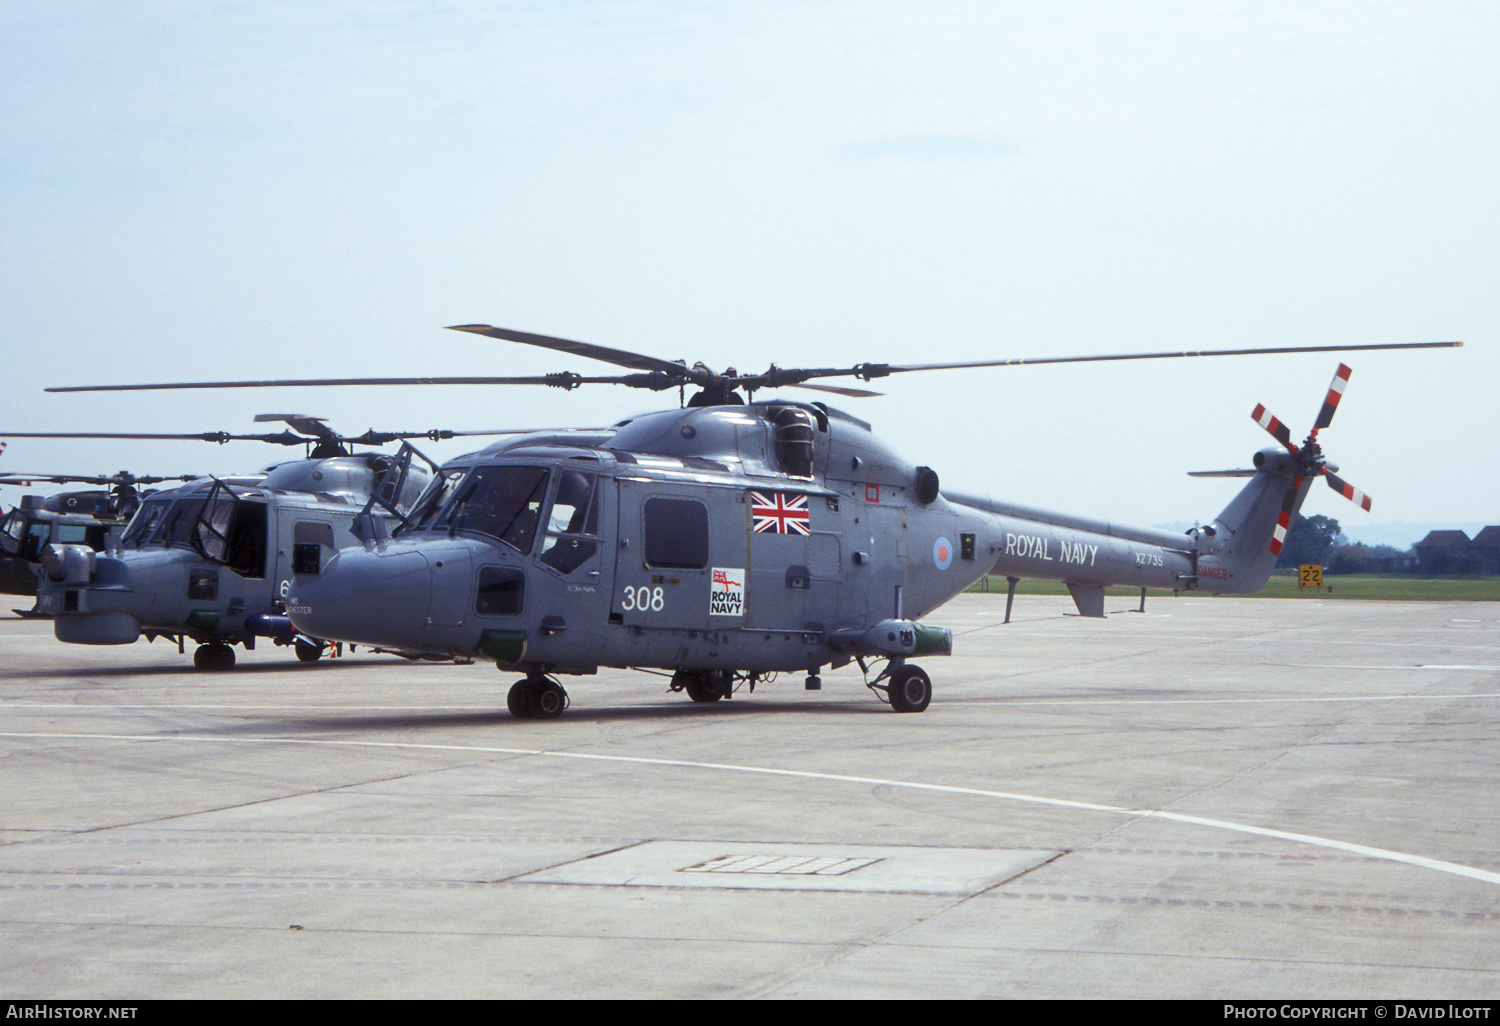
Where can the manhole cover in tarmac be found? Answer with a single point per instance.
(798, 867)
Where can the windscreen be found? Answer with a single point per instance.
(144, 523)
(502, 502)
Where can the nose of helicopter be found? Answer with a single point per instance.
(368, 597)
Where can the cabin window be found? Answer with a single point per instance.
(573, 522)
(676, 533)
(501, 592)
(203, 584)
(309, 537)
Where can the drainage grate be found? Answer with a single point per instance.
(790, 865)
(770, 865)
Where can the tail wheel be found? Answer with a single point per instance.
(910, 689)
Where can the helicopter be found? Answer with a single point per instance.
(211, 559)
(734, 539)
(80, 517)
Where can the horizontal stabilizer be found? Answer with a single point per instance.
(1221, 473)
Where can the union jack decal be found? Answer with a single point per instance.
(779, 513)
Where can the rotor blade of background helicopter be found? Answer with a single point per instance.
(281, 438)
(303, 422)
(618, 357)
(562, 380)
(1221, 473)
(92, 479)
(509, 431)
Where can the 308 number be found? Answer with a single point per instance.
(643, 598)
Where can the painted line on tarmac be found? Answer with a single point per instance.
(1287, 700)
(415, 709)
(1420, 861)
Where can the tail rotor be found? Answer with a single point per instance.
(1308, 458)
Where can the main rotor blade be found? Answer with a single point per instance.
(618, 357)
(853, 393)
(1168, 356)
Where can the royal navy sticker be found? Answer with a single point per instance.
(727, 596)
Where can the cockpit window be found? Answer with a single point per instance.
(425, 511)
(502, 502)
(177, 526)
(144, 522)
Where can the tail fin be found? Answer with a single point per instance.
(1247, 536)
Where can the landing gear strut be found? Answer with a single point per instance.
(536, 698)
(908, 687)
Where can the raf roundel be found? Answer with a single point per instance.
(942, 553)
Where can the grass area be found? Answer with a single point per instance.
(1403, 587)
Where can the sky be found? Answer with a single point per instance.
(221, 191)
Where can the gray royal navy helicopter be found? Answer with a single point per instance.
(212, 560)
(75, 517)
(730, 540)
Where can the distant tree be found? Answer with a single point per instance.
(1309, 540)
(1341, 562)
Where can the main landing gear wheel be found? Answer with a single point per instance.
(910, 689)
(214, 657)
(308, 653)
(704, 685)
(536, 699)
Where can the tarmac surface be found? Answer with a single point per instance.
(1216, 798)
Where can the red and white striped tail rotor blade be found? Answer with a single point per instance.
(1335, 393)
(1348, 491)
(1284, 521)
(1278, 430)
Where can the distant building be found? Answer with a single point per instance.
(1443, 552)
(1349, 559)
(1486, 545)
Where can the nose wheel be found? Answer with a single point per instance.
(908, 688)
(536, 698)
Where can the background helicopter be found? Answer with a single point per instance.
(730, 540)
(74, 518)
(211, 560)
